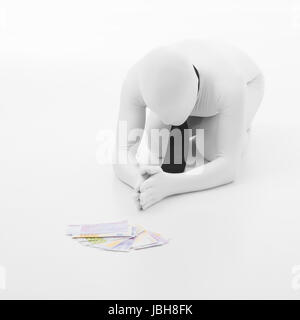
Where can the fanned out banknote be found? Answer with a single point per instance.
(117, 236)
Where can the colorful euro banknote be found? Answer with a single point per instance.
(116, 236)
(101, 230)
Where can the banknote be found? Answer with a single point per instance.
(143, 240)
(160, 240)
(120, 245)
(116, 236)
(101, 230)
(99, 241)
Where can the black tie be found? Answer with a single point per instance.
(175, 158)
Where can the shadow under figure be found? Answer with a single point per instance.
(193, 84)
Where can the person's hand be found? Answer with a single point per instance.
(156, 186)
(145, 173)
(136, 196)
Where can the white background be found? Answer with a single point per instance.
(61, 67)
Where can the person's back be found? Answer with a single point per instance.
(213, 54)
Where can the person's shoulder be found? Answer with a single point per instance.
(131, 88)
(132, 74)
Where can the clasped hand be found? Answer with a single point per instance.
(153, 186)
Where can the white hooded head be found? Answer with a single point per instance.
(169, 85)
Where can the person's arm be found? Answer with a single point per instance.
(221, 170)
(218, 172)
(131, 123)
